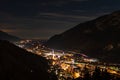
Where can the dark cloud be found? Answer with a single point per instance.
(44, 18)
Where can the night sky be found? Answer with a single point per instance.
(41, 19)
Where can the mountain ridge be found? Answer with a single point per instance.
(6, 36)
(18, 64)
(95, 37)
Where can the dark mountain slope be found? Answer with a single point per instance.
(18, 64)
(5, 36)
(94, 38)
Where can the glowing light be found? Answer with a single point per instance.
(76, 75)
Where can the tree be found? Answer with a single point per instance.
(87, 75)
(106, 75)
(96, 74)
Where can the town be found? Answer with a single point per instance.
(68, 64)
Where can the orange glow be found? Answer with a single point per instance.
(76, 75)
(8, 30)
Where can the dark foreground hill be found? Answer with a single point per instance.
(97, 38)
(6, 36)
(18, 64)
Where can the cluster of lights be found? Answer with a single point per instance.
(66, 61)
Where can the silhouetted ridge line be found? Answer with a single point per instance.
(18, 64)
(97, 38)
(6, 36)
